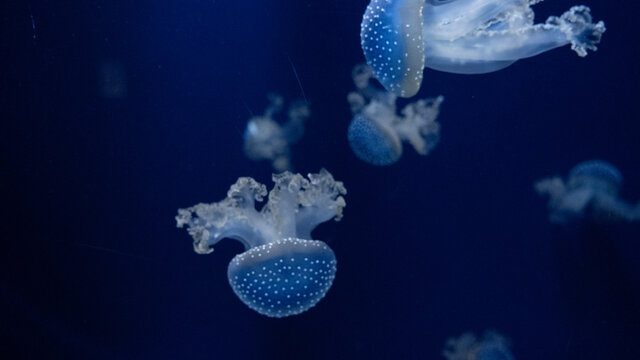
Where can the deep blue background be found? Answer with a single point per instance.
(92, 265)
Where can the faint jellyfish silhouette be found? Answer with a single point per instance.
(493, 346)
(282, 272)
(400, 37)
(112, 79)
(376, 131)
(266, 139)
(591, 191)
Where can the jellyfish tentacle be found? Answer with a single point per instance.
(234, 217)
(322, 200)
(420, 127)
(577, 23)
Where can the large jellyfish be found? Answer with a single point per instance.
(493, 346)
(266, 139)
(590, 191)
(283, 271)
(400, 37)
(376, 131)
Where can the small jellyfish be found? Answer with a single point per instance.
(376, 132)
(266, 139)
(112, 79)
(493, 346)
(282, 271)
(401, 37)
(590, 191)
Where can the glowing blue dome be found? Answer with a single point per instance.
(283, 278)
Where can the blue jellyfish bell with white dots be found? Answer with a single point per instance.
(282, 272)
(376, 132)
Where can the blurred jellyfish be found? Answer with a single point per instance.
(493, 346)
(400, 37)
(376, 131)
(282, 272)
(112, 79)
(590, 191)
(266, 139)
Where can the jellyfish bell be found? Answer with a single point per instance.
(391, 38)
(263, 139)
(401, 37)
(283, 278)
(598, 175)
(373, 142)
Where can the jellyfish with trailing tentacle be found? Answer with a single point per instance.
(283, 271)
(401, 37)
(266, 139)
(492, 346)
(590, 191)
(376, 132)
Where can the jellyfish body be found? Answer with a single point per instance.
(373, 142)
(596, 174)
(401, 37)
(590, 191)
(283, 278)
(282, 272)
(266, 139)
(376, 132)
(492, 346)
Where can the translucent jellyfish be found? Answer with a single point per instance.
(376, 131)
(266, 139)
(493, 346)
(112, 79)
(400, 37)
(282, 271)
(590, 191)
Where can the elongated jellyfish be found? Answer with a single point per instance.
(590, 191)
(377, 131)
(402, 37)
(267, 139)
(492, 346)
(282, 272)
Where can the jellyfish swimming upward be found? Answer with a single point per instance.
(376, 132)
(590, 192)
(401, 37)
(267, 139)
(283, 271)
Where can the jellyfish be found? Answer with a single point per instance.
(266, 139)
(376, 132)
(400, 37)
(282, 271)
(493, 346)
(112, 79)
(590, 191)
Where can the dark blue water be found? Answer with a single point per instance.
(92, 265)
